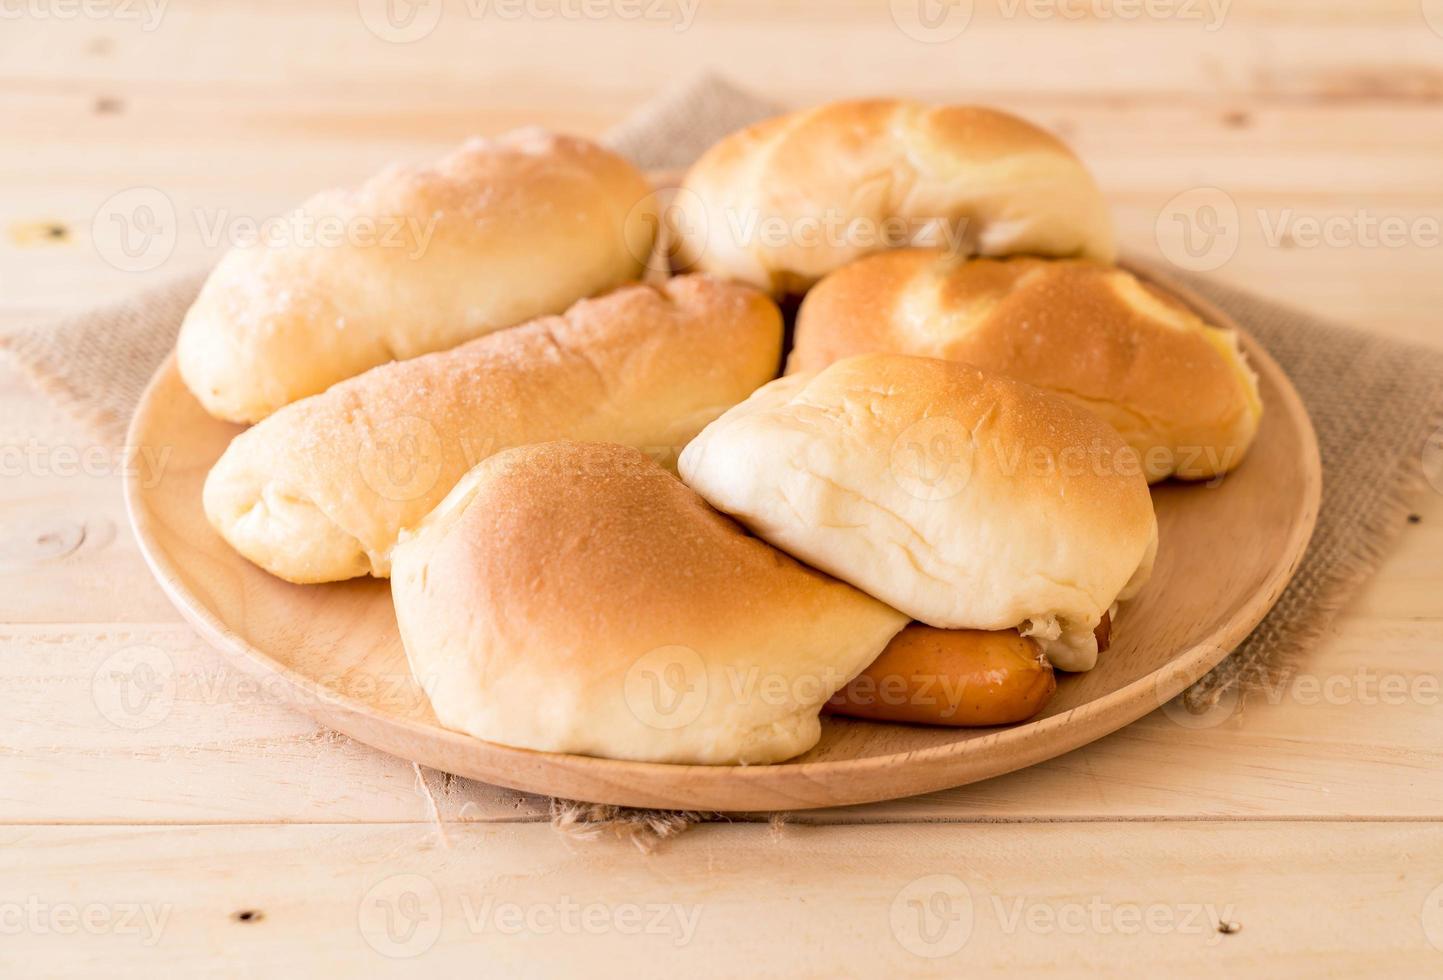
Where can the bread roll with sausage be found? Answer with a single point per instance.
(320, 490)
(414, 260)
(1176, 387)
(964, 499)
(958, 678)
(571, 597)
(784, 202)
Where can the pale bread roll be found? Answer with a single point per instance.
(784, 202)
(966, 500)
(415, 260)
(1176, 387)
(572, 597)
(321, 489)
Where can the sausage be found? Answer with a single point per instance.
(1103, 632)
(961, 678)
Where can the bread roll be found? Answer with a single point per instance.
(959, 678)
(783, 203)
(1176, 387)
(572, 597)
(415, 260)
(320, 490)
(966, 500)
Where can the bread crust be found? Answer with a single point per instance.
(1177, 388)
(416, 259)
(572, 597)
(784, 202)
(320, 490)
(964, 499)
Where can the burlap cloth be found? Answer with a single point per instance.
(1376, 404)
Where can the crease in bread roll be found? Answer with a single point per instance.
(784, 202)
(414, 260)
(320, 490)
(964, 499)
(572, 597)
(1177, 388)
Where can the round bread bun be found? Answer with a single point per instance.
(784, 202)
(416, 259)
(1176, 387)
(964, 499)
(321, 490)
(575, 597)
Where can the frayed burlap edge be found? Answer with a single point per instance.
(645, 829)
(1268, 658)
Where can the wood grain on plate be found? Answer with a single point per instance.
(1226, 553)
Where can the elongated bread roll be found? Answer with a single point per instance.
(1176, 387)
(579, 598)
(783, 203)
(964, 499)
(320, 491)
(413, 261)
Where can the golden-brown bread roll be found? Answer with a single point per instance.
(414, 260)
(320, 490)
(962, 678)
(784, 202)
(964, 499)
(1176, 387)
(574, 597)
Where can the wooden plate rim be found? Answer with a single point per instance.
(763, 787)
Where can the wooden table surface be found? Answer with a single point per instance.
(187, 820)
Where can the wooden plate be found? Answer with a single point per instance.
(1226, 553)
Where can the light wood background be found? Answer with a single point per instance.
(140, 776)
